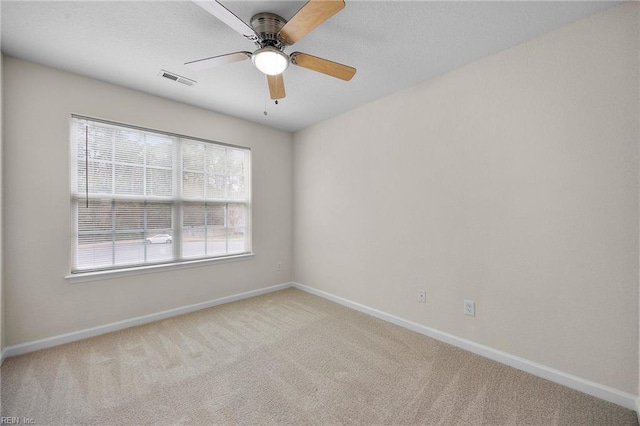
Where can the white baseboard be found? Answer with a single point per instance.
(606, 393)
(638, 409)
(49, 342)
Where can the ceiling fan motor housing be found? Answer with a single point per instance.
(267, 25)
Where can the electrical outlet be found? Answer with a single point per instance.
(470, 308)
(278, 266)
(422, 296)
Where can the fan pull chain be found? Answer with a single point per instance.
(268, 90)
(265, 100)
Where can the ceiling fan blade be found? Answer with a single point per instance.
(216, 61)
(226, 16)
(312, 14)
(334, 69)
(276, 86)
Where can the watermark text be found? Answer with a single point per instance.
(17, 420)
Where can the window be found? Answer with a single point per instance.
(141, 197)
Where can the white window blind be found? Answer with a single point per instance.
(143, 197)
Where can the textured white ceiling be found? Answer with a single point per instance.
(393, 44)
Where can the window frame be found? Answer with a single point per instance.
(176, 200)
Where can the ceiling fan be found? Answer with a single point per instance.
(273, 34)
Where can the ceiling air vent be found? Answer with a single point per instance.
(176, 78)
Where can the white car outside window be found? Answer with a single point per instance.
(160, 239)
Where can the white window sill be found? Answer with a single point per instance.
(81, 277)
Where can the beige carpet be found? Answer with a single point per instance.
(283, 358)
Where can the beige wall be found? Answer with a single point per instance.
(512, 182)
(39, 301)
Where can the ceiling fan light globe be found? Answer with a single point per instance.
(270, 61)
